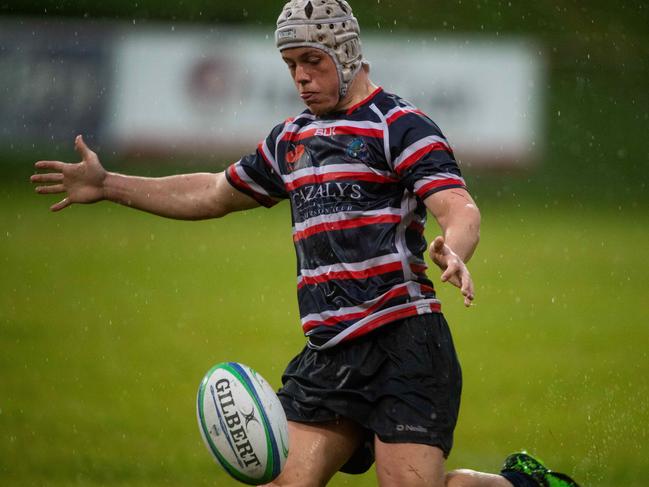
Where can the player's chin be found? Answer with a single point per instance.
(320, 107)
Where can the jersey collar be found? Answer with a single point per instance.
(364, 102)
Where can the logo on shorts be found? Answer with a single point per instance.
(411, 428)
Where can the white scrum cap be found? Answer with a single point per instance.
(328, 25)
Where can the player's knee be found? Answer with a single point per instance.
(408, 477)
(460, 477)
(304, 483)
(299, 482)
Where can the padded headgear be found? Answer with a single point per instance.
(328, 25)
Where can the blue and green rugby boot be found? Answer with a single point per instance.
(525, 463)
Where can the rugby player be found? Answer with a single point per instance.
(378, 379)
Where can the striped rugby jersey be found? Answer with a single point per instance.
(356, 181)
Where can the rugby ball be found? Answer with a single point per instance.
(242, 423)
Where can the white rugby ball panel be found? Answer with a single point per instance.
(242, 423)
(275, 414)
(258, 389)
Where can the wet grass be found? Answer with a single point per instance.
(109, 318)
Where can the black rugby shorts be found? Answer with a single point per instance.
(401, 382)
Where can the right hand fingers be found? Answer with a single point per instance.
(55, 177)
(54, 189)
(64, 203)
(82, 148)
(53, 165)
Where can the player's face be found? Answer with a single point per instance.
(315, 76)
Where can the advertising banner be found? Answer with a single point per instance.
(201, 91)
(222, 91)
(55, 80)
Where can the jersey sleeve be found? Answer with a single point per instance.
(422, 157)
(258, 174)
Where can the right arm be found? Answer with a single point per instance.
(184, 197)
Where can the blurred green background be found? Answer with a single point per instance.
(109, 318)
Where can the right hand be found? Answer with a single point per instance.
(83, 182)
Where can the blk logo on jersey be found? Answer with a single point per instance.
(326, 132)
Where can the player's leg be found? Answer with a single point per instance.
(471, 478)
(415, 465)
(317, 452)
(520, 470)
(408, 465)
(419, 393)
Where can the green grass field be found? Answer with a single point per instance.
(109, 318)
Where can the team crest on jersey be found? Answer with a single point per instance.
(357, 149)
(297, 157)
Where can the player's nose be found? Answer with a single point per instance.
(301, 75)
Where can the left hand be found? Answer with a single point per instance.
(455, 270)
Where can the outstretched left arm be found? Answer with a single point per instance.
(459, 218)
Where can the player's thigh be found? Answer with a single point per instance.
(408, 465)
(317, 451)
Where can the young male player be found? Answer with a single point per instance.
(379, 378)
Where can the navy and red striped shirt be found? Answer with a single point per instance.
(356, 181)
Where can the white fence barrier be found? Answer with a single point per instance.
(167, 89)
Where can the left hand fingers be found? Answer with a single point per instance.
(453, 274)
(467, 288)
(458, 275)
(439, 252)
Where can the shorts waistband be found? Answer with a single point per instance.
(375, 322)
